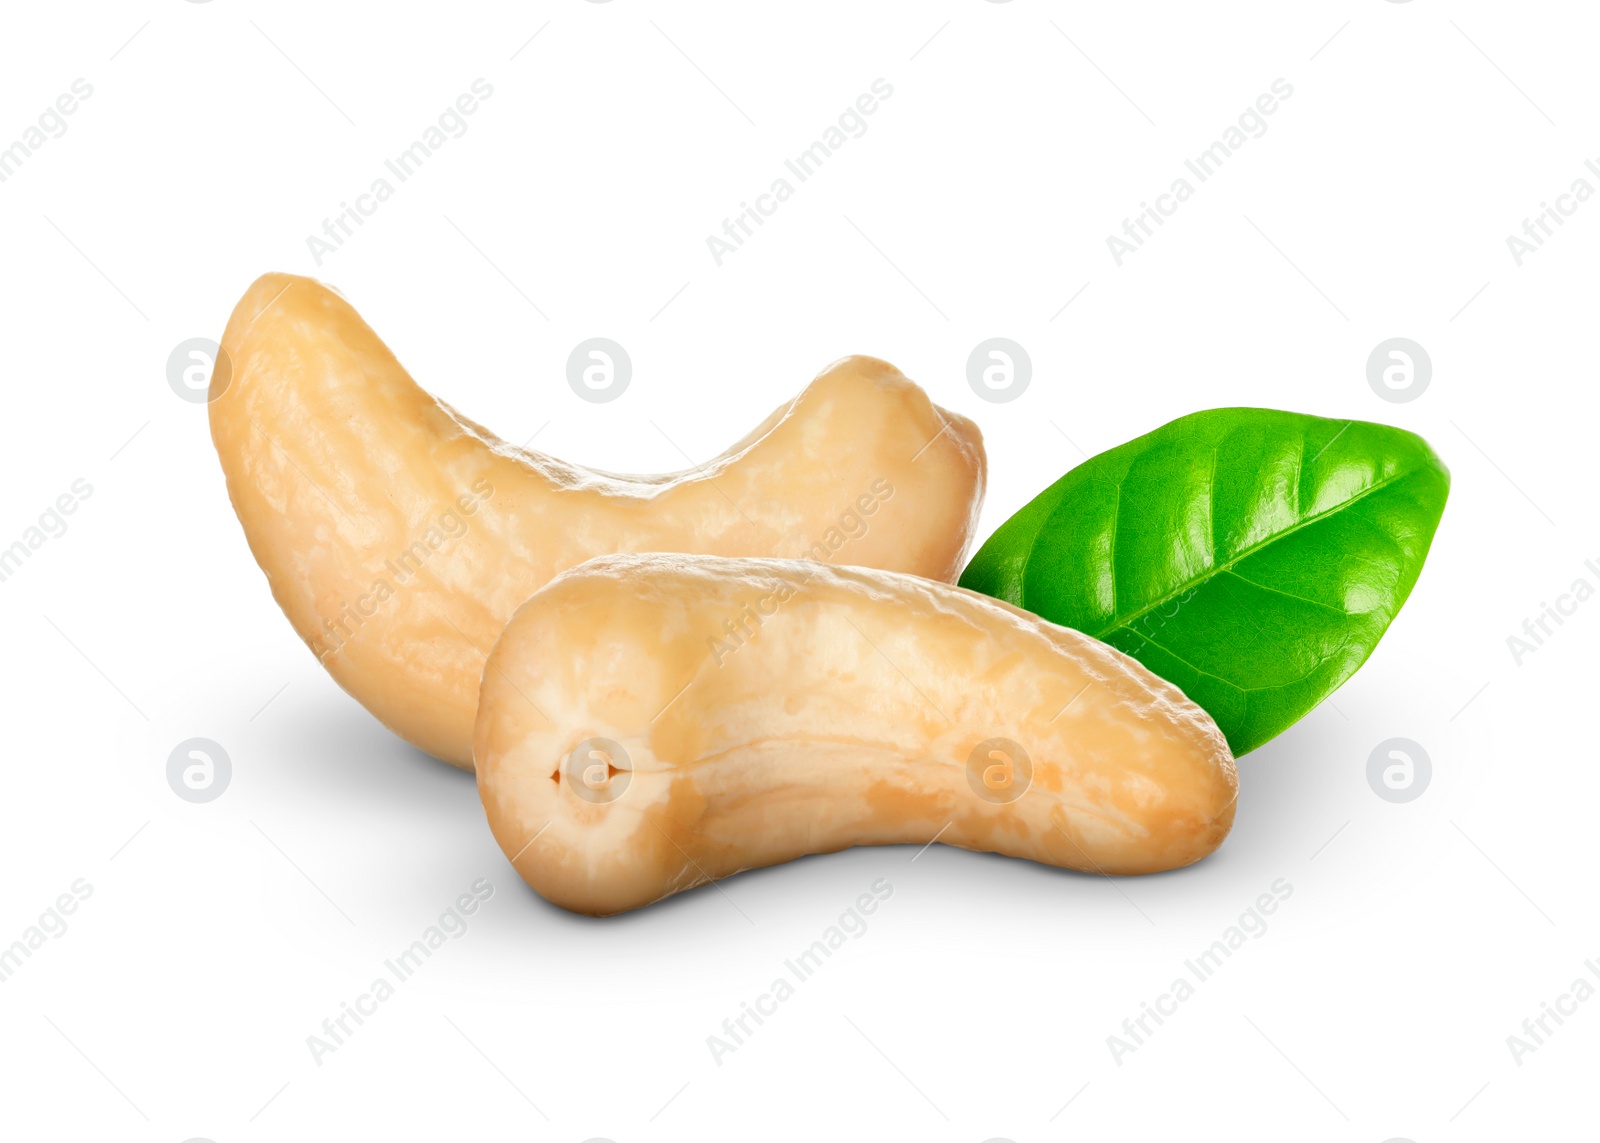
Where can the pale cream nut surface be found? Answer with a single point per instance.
(398, 536)
(651, 722)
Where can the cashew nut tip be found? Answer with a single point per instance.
(649, 723)
(398, 536)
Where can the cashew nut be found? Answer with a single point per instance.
(652, 722)
(398, 536)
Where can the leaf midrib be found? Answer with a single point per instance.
(1217, 569)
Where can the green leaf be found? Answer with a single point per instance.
(1253, 557)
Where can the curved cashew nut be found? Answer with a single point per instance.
(398, 536)
(751, 711)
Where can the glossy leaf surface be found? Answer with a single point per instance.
(1253, 557)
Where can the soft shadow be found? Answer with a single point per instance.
(1288, 787)
(965, 880)
(336, 750)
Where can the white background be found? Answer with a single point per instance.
(978, 1004)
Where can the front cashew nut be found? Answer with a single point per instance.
(398, 536)
(652, 722)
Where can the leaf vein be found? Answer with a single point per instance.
(1286, 594)
(1276, 537)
